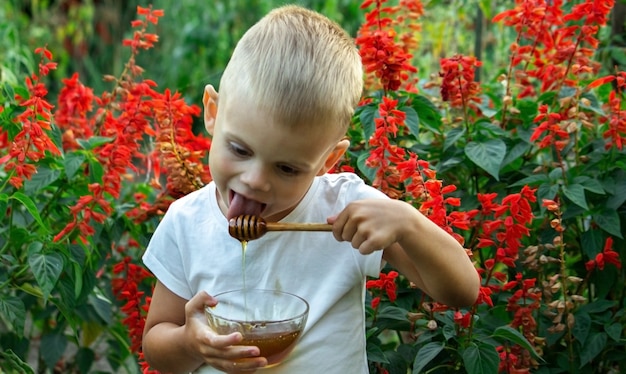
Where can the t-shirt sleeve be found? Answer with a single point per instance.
(164, 259)
(357, 189)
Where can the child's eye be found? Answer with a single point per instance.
(238, 150)
(288, 170)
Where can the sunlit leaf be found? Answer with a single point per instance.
(93, 142)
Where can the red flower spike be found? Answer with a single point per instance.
(32, 142)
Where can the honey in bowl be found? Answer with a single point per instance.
(273, 346)
(269, 319)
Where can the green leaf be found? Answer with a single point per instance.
(96, 171)
(590, 184)
(78, 276)
(547, 191)
(528, 110)
(31, 207)
(452, 136)
(43, 178)
(518, 150)
(576, 193)
(481, 358)
(85, 358)
(487, 155)
(427, 112)
(93, 142)
(104, 307)
(609, 221)
(368, 172)
(367, 116)
(593, 104)
(47, 269)
(592, 242)
(13, 310)
(425, 355)
(72, 163)
(582, 326)
(376, 354)
(412, 120)
(52, 347)
(509, 333)
(12, 363)
(619, 194)
(599, 306)
(614, 331)
(531, 180)
(487, 128)
(393, 312)
(592, 348)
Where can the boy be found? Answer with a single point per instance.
(286, 99)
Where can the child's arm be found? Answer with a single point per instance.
(177, 338)
(413, 244)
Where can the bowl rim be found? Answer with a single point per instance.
(209, 309)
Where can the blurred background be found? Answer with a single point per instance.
(197, 37)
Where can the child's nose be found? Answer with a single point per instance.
(256, 178)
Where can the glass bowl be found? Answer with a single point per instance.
(269, 319)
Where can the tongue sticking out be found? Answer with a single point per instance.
(239, 205)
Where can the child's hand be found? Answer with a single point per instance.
(216, 350)
(372, 224)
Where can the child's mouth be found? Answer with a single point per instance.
(240, 205)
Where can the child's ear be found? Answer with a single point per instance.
(335, 155)
(209, 99)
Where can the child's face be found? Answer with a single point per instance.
(264, 168)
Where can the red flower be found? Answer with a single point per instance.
(463, 320)
(381, 54)
(386, 283)
(384, 155)
(608, 255)
(458, 85)
(484, 296)
(32, 141)
(125, 288)
(553, 125)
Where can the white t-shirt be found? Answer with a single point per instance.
(191, 251)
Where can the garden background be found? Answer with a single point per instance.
(502, 121)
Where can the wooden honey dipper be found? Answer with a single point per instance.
(248, 227)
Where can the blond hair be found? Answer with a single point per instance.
(299, 66)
